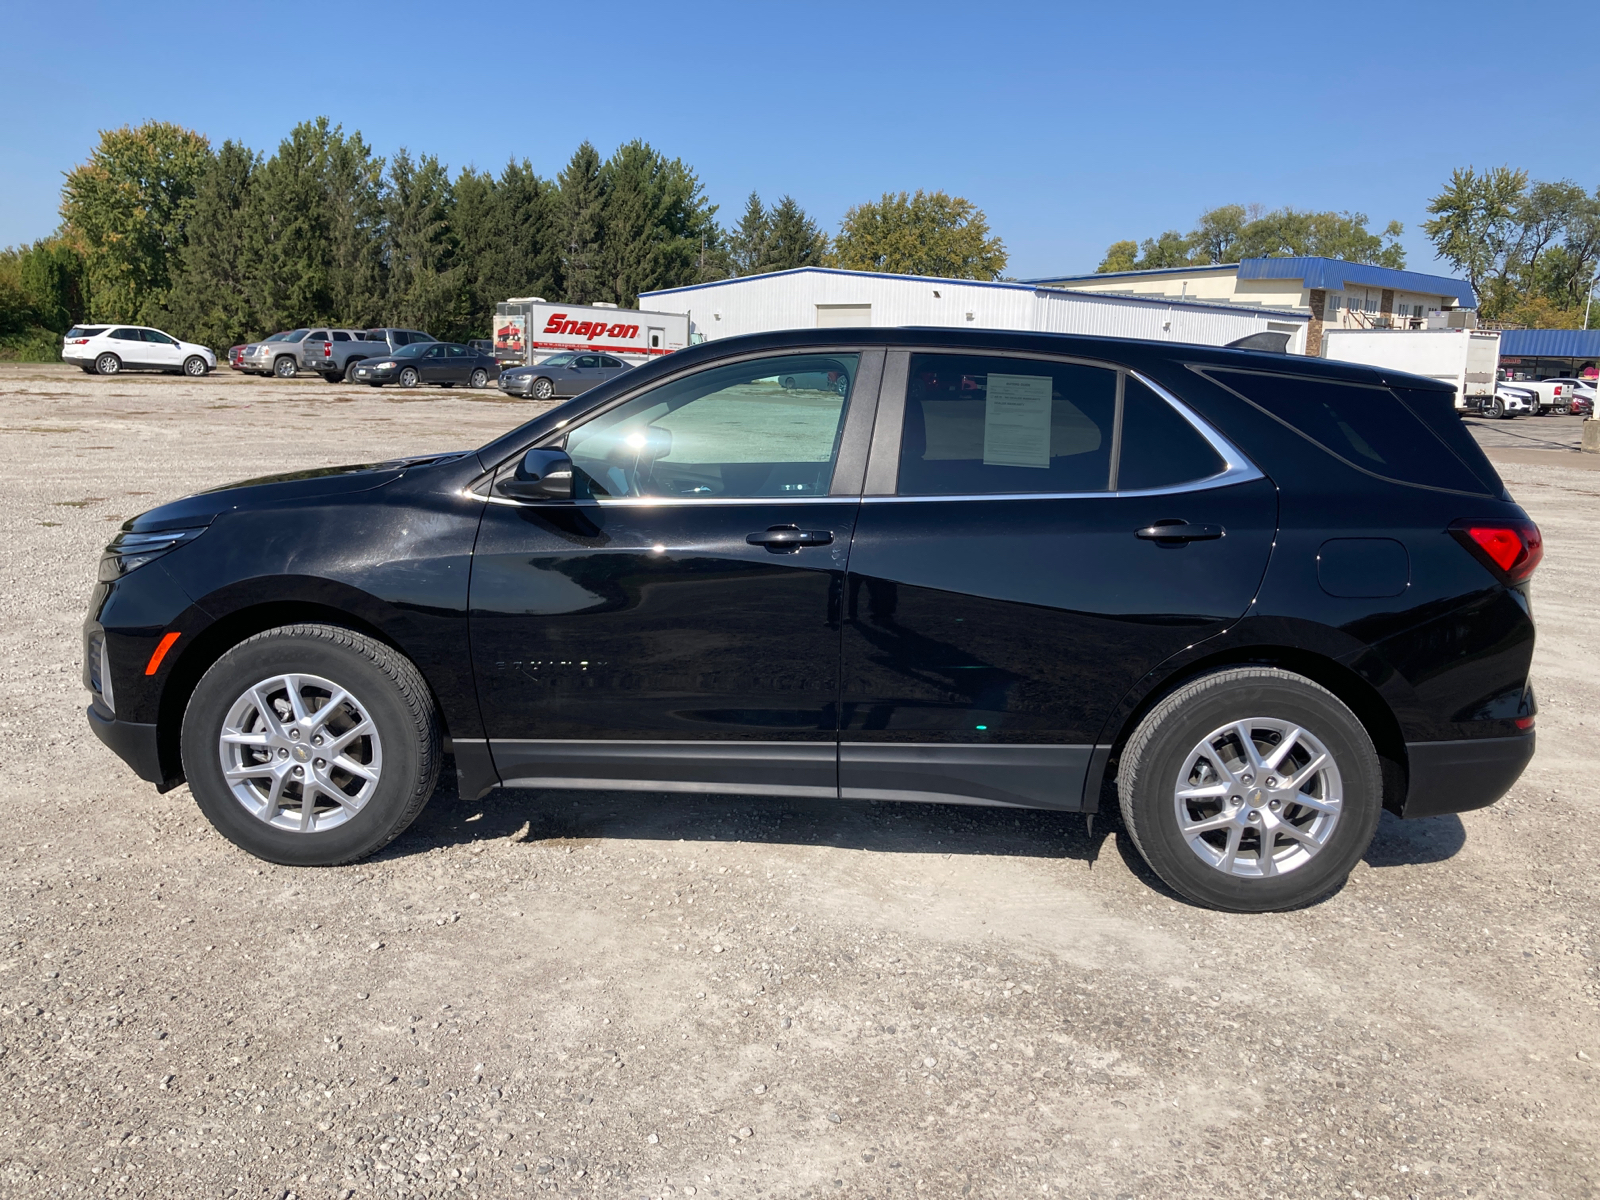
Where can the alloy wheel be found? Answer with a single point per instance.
(284, 368)
(480, 378)
(108, 364)
(300, 753)
(1258, 798)
(409, 378)
(194, 365)
(543, 389)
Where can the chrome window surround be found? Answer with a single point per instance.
(1237, 467)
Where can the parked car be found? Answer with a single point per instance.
(483, 346)
(1264, 597)
(1511, 401)
(235, 354)
(1572, 390)
(443, 363)
(564, 374)
(333, 353)
(111, 349)
(277, 355)
(1582, 405)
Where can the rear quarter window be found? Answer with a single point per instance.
(1366, 426)
(81, 331)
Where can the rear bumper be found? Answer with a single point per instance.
(1452, 777)
(133, 743)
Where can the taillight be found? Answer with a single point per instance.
(327, 349)
(1510, 549)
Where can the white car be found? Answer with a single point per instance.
(109, 349)
(1511, 401)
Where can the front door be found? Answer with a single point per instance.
(1007, 586)
(433, 366)
(583, 374)
(160, 350)
(676, 624)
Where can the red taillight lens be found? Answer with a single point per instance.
(1510, 549)
(327, 349)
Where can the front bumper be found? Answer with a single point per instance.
(518, 385)
(133, 743)
(1459, 776)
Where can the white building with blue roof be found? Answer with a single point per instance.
(1331, 293)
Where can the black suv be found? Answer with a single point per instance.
(1262, 596)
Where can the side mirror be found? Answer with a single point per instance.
(541, 475)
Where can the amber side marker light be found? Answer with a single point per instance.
(1510, 549)
(162, 647)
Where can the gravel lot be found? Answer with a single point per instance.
(647, 996)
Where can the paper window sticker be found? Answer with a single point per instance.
(1016, 421)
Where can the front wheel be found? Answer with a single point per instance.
(1251, 790)
(480, 378)
(195, 366)
(311, 745)
(1496, 408)
(285, 368)
(409, 378)
(543, 389)
(107, 364)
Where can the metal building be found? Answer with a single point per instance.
(813, 297)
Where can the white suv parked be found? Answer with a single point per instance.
(108, 349)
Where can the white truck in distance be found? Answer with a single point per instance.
(530, 330)
(1465, 358)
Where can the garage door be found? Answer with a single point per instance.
(844, 316)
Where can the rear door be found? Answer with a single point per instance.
(1009, 581)
(460, 363)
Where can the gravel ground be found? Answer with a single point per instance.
(646, 996)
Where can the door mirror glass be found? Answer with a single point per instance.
(541, 475)
(768, 427)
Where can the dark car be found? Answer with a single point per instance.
(564, 374)
(443, 363)
(1261, 597)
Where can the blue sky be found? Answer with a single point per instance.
(1069, 125)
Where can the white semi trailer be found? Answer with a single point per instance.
(530, 329)
(1464, 358)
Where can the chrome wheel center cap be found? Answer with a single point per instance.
(302, 753)
(1257, 796)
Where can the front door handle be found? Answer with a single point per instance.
(779, 538)
(1179, 531)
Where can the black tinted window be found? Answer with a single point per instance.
(1160, 448)
(340, 336)
(78, 331)
(1438, 411)
(608, 361)
(1367, 427)
(126, 335)
(319, 335)
(988, 425)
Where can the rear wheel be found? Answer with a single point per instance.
(311, 745)
(1251, 790)
(480, 378)
(107, 364)
(285, 367)
(350, 370)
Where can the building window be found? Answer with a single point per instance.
(1334, 301)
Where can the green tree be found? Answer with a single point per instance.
(1477, 228)
(795, 241)
(425, 285)
(581, 218)
(747, 242)
(1120, 256)
(41, 297)
(1233, 232)
(929, 233)
(127, 207)
(211, 302)
(656, 222)
(507, 240)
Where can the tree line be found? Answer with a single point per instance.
(227, 244)
(1530, 250)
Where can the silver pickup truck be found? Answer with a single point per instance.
(334, 353)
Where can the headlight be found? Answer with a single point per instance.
(130, 551)
(384, 366)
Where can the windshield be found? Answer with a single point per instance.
(277, 337)
(559, 360)
(415, 350)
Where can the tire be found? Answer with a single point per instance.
(787, 381)
(107, 364)
(479, 380)
(88, 368)
(542, 389)
(1168, 752)
(409, 378)
(285, 367)
(1495, 408)
(333, 378)
(350, 370)
(195, 366)
(384, 692)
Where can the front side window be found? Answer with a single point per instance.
(157, 337)
(984, 425)
(765, 428)
(436, 352)
(296, 335)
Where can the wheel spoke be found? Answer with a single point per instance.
(1247, 744)
(1209, 791)
(308, 804)
(239, 774)
(1305, 773)
(1269, 840)
(1281, 750)
(269, 715)
(274, 795)
(1220, 821)
(338, 744)
(1211, 756)
(297, 702)
(233, 737)
(1299, 835)
(319, 718)
(1228, 855)
(359, 770)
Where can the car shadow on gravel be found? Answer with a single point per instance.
(572, 818)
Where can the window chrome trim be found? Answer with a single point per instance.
(661, 501)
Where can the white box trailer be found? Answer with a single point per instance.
(530, 330)
(1464, 358)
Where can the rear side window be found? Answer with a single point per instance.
(1367, 427)
(1437, 410)
(86, 331)
(340, 335)
(992, 426)
(1159, 448)
(127, 335)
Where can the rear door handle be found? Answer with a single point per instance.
(1179, 531)
(790, 537)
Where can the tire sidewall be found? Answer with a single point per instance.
(258, 659)
(189, 366)
(542, 389)
(1323, 716)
